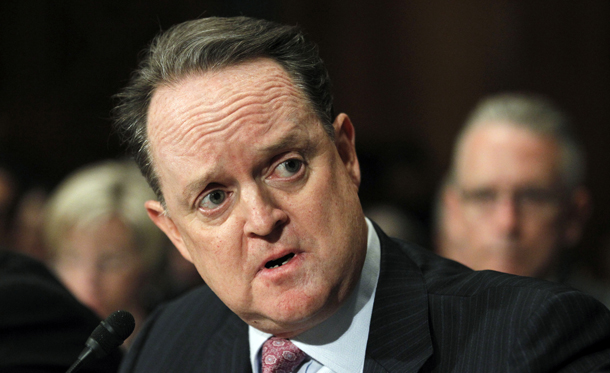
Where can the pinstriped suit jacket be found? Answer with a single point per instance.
(430, 315)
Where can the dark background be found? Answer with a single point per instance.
(407, 73)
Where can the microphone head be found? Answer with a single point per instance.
(122, 322)
(112, 332)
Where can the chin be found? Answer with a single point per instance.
(293, 315)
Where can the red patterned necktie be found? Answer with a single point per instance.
(280, 356)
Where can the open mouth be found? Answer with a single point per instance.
(279, 262)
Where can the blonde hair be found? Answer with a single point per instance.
(98, 192)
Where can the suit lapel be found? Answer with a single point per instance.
(229, 351)
(399, 337)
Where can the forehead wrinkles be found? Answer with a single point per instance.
(221, 103)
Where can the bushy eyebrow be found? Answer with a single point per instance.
(292, 140)
(194, 188)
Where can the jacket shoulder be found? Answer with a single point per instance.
(43, 326)
(445, 276)
(180, 334)
(519, 323)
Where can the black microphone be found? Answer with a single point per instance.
(108, 335)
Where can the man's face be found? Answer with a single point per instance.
(258, 196)
(508, 205)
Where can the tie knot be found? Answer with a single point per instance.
(281, 356)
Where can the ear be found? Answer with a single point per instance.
(159, 216)
(578, 214)
(345, 141)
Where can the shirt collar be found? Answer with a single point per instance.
(339, 342)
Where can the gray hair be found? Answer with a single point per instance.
(535, 113)
(210, 44)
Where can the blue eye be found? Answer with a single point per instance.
(213, 199)
(289, 167)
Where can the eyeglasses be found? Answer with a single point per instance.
(528, 202)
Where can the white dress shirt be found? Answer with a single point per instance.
(338, 344)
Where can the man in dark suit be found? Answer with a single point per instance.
(257, 182)
(43, 328)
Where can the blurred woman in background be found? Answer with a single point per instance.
(102, 244)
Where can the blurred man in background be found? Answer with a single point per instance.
(515, 199)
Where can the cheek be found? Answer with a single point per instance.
(329, 193)
(126, 282)
(72, 279)
(332, 213)
(479, 235)
(546, 233)
(543, 224)
(216, 256)
(476, 222)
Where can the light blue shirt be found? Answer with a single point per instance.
(338, 344)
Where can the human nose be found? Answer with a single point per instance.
(507, 215)
(263, 213)
(86, 286)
